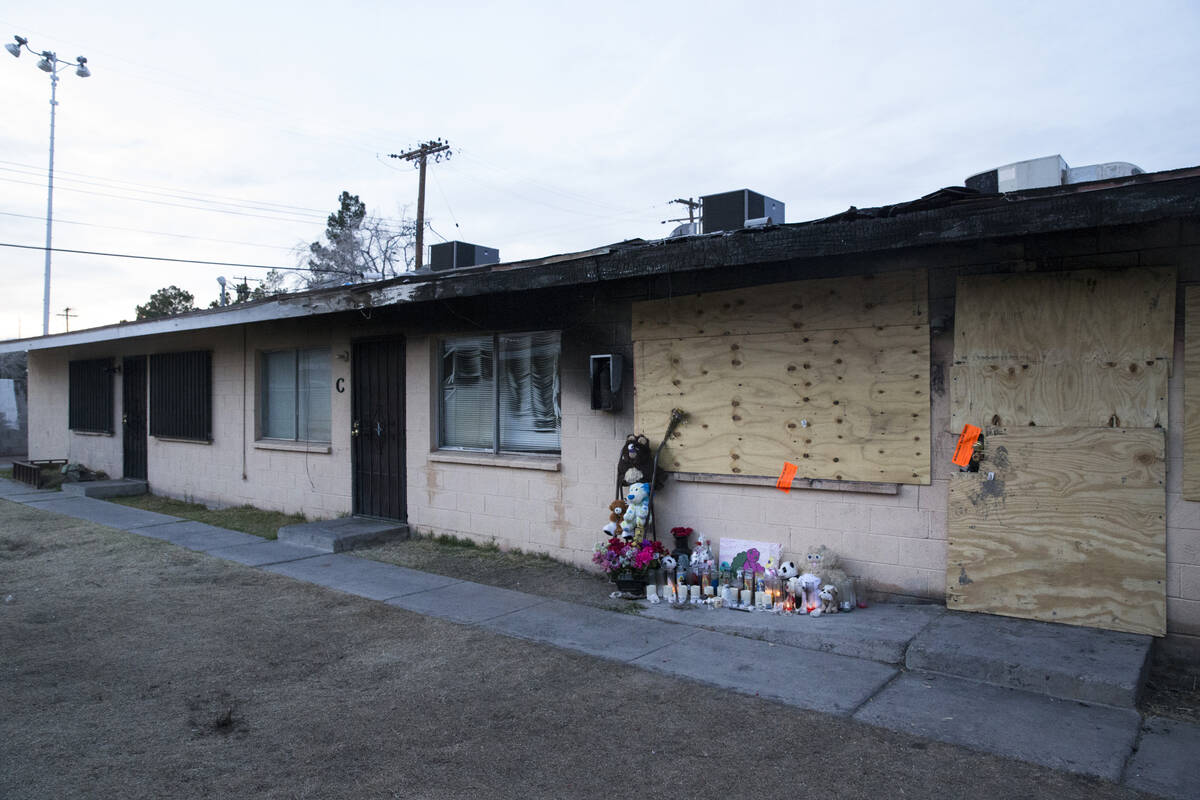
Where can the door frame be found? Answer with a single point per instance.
(142, 438)
(358, 381)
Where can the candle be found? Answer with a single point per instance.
(651, 592)
(747, 596)
(695, 590)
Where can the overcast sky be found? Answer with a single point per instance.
(225, 131)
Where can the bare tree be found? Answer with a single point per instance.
(359, 247)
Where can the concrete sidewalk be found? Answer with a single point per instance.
(970, 680)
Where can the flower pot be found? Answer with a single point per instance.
(630, 582)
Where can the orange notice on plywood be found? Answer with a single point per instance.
(785, 477)
(966, 445)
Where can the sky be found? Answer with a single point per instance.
(226, 131)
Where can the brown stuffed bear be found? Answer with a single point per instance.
(616, 513)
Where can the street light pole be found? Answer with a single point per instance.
(50, 63)
(49, 202)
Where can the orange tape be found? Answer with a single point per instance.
(785, 478)
(966, 445)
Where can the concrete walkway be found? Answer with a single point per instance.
(1051, 695)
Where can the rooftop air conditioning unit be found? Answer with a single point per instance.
(730, 211)
(456, 255)
(1038, 173)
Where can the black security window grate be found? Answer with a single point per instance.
(90, 396)
(181, 395)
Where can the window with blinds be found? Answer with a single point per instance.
(294, 395)
(90, 395)
(181, 395)
(500, 393)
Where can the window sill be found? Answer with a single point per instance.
(181, 440)
(545, 463)
(293, 447)
(818, 484)
(92, 433)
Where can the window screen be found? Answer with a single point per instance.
(90, 396)
(181, 395)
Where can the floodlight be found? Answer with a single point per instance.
(15, 49)
(44, 65)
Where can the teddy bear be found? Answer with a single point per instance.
(637, 512)
(616, 513)
(824, 563)
(788, 570)
(636, 461)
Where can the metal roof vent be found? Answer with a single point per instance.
(1038, 173)
(730, 211)
(456, 255)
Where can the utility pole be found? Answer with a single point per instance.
(692, 206)
(66, 315)
(419, 155)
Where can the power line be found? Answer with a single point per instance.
(114, 181)
(59, 221)
(236, 213)
(160, 258)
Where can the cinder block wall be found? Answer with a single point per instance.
(552, 505)
(234, 469)
(897, 543)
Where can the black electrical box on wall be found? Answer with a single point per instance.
(605, 373)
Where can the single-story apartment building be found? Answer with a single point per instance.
(492, 401)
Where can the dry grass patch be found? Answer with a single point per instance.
(246, 519)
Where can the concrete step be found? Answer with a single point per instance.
(1063, 661)
(346, 533)
(120, 487)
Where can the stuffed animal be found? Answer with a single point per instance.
(636, 463)
(788, 570)
(668, 563)
(616, 513)
(826, 564)
(701, 555)
(637, 514)
(806, 590)
(828, 595)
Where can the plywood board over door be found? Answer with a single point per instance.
(1071, 528)
(1191, 397)
(1071, 525)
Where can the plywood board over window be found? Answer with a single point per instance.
(831, 375)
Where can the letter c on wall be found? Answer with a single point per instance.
(340, 385)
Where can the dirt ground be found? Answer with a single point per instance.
(135, 669)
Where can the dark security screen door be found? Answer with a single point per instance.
(377, 428)
(133, 415)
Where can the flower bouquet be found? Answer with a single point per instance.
(628, 562)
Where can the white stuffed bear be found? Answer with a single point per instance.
(638, 512)
(788, 570)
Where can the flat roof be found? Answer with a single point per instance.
(954, 215)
